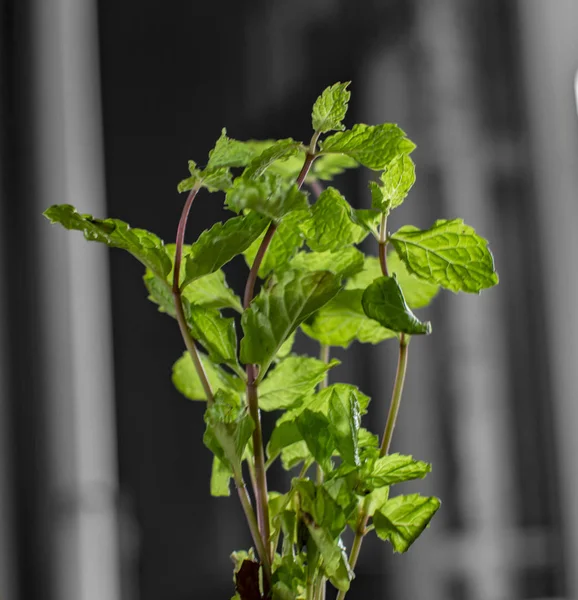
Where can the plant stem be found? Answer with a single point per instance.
(383, 244)
(324, 353)
(186, 334)
(260, 478)
(396, 395)
(324, 356)
(260, 491)
(254, 527)
(252, 279)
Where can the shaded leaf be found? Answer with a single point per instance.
(327, 166)
(186, 380)
(342, 320)
(286, 431)
(285, 243)
(314, 428)
(344, 424)
(383, 301)
(277, 311)
(229, 427)
(417, 292)
(216, 333)
(279, 151)
(269, 196)
(220, 244)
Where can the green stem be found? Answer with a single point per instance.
(260, 481)
(180, 313)
(324, 356)
(396, 395)
(383, 244)
(254, 528)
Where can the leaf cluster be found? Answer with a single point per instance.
(313, 278)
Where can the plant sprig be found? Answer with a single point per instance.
(306, 273)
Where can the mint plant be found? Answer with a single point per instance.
(306, 273)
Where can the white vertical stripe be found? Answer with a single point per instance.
(550, 51)
(78, 351)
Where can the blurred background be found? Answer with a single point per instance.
(104, 480)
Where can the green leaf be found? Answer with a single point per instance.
(216, 333)
(402, 519)
(331, 226)
(418, 293)
(327, 166)
(229, 427)
(269, 196)
(277, 311)
(214, 180)
(369, 219)
(186, 380)
(344, 497)
(285, 243)
(383, 301)
(342, 320)
(279, 151)
(450, 254)
(335, 564)
(230, 153)
(220, 478)
(345, 262)
(220, 244)
(286, 347)
(392, 469)
(344, 424)
(143, 245)
(374, 146)
(286, 431)
(315, 430)
(294, 454)
(288, 578)
(212, 291)
(292, 378)
(316, 501)
(330, 108)
(397, 179)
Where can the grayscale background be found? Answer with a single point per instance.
(104, 489)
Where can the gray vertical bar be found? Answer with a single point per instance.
(77, 321)
(550, 56)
